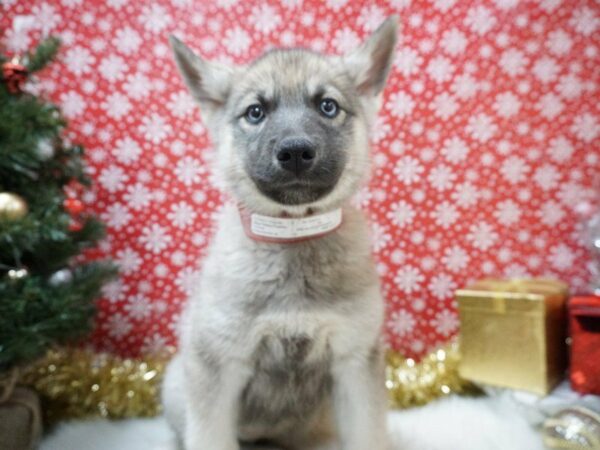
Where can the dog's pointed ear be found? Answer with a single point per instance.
(370, 63)
(209, 82)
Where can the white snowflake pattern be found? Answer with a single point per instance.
(138, 196)
(380, 237)
(401, 104)
(570, 86)
(585, 127)
(465, 195)
(129, 260)
(455, 150)
(561, 256)
(154, 344)
(73, 104)
(117, 325)
(408, 279)
(401, 322)
(127, 40)
(345, 40)
(336, 5)
(585, 21)
(545, 69)
(445, 322)
(442, 286)
(79, 60)
(370, 17)
(506, 4)
(264, 18)
(401, 213)
(559, 42)
(46, 17)
(138, 307)
(464, 86)
(507, 104)
(444, 5)
(445, 214)
(137, 86)
(237, 41)
(550, 106)
(441, 178)
(454, 42)
(551, 213)
(481, 127)
(117, 215)
(181, 104)
(116, 105)
(561, 149)
(188, 170)
(514, 169)
(440, 69)
(408, 61)
(113, 178)
(155, 238)
(116, 4)
(127, 150)
(482, 235)
(480, 20)
(408, 170)
(444, 106)
(507, 212)
(154, 18)
(513, 62)
(546, 176)
(154, 128)
(182, 215)
(455, 259)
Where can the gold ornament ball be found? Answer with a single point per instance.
(12, 206)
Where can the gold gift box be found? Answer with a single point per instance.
(512, 333)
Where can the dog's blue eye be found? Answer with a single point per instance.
(329, 107)
(255, 113)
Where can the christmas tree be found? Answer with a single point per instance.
(46, 293)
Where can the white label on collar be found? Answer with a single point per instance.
(290, 228)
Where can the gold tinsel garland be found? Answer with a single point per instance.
(75, 383)
(410, 383)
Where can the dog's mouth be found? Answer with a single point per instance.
(293, 187)
(296, 192)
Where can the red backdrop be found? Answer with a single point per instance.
(486, 143)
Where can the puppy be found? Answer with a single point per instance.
(282, 344)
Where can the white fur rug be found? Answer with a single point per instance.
(452, 424)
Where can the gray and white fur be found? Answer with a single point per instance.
(281, 345)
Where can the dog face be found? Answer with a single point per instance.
(291, 128)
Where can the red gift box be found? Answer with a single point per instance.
(584, 313)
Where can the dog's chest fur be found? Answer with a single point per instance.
(290, 380)
(284, 303)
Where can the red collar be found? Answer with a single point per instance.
(289, 230)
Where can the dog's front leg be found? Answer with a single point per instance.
(360, 403)
(212, 405)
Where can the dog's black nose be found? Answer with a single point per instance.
(296, 155)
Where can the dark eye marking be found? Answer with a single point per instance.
(329, 108)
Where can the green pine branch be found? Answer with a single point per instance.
(43, 54)
(34, 312)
